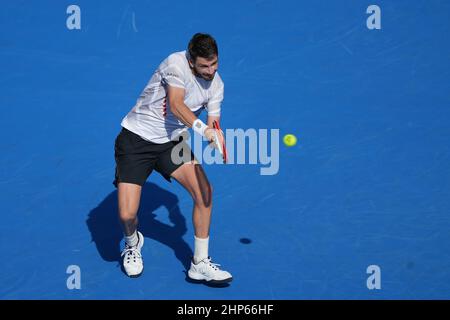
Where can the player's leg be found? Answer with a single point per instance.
(128, 195)
(132, 169)
(193, 178)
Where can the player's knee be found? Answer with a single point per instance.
(203, 194)
(127, 215)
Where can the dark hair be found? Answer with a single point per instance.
(202, 45)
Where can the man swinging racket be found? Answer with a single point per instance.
(184, 83)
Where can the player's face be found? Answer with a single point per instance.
(205, 68)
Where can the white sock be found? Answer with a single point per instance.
(132, 240)
(200, 249)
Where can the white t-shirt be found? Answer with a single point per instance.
(151, 117)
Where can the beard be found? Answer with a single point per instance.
(209, 77)
(204, 77)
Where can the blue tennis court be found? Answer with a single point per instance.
(366, 187)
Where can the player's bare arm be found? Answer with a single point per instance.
(184, 114)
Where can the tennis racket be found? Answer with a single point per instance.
(220, 146)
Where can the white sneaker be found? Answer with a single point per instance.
(210, 272)
(132, 258)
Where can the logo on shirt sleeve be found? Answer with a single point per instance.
(171, 74)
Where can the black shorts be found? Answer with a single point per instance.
(136, 158)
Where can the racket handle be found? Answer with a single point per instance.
(223, 148)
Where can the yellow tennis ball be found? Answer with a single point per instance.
(290, 140)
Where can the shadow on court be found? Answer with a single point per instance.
(107, 234)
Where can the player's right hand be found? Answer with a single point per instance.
(210, 136)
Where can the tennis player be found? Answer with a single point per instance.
(184, 84)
